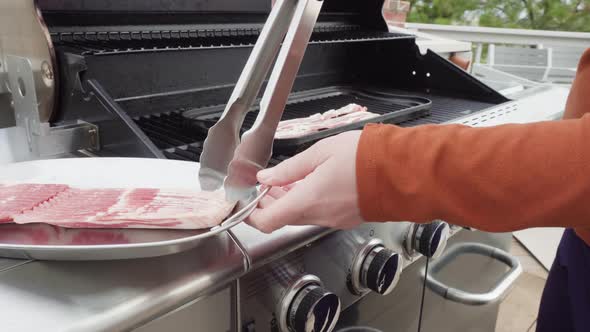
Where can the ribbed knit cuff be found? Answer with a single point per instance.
(369, 180)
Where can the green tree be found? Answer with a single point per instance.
(441, 11)
(569, 15)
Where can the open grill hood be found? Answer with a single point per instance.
(133, 68)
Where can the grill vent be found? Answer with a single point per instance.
(491, 116)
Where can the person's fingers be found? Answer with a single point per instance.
(293, 169)
(266, 201)
(288, 210)
(289, 187)
(277, 192)
(273, 194)
(254, 221)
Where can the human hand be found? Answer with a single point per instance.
(315, 187)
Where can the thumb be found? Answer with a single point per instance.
(290, 209)
(293, 169)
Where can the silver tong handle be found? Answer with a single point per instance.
(223, 154)
(255, 150)
(223, 137)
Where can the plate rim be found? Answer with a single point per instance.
(226, 225)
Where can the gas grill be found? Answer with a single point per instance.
(148, 78)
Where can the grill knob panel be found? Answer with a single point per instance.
(307, 306)
(429, 240)
(375, 268)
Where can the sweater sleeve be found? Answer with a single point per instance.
(500, 178)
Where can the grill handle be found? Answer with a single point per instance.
(498, 292)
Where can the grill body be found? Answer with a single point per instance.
(152, 76)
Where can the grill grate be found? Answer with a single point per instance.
(307, 103)
(167, 130)
(389, 107)
(137, 41)
(445, 109)
(192, 152)
(177, 141)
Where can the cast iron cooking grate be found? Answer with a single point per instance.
(301, 109)
(167, 130)
(192, 152)
(170, 134)
(391, 108)
(445, 108)
(176, 141)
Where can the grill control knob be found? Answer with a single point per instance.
(376, 268)
(308, 307)
(429, 240)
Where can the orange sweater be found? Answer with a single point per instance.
(498, 179)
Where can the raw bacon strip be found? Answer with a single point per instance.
(330, 119)
(294, 122)
(19, 198)
(348, 109)
(131, 208)
(72, 206)
(210, 208)
(43, 234)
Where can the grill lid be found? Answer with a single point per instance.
(233, 12)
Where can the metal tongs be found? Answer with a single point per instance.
(225, 160)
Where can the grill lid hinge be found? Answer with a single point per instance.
(44, 140)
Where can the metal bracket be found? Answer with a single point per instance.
(65, 139)
(43, 139)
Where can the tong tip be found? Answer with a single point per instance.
(210, 180)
